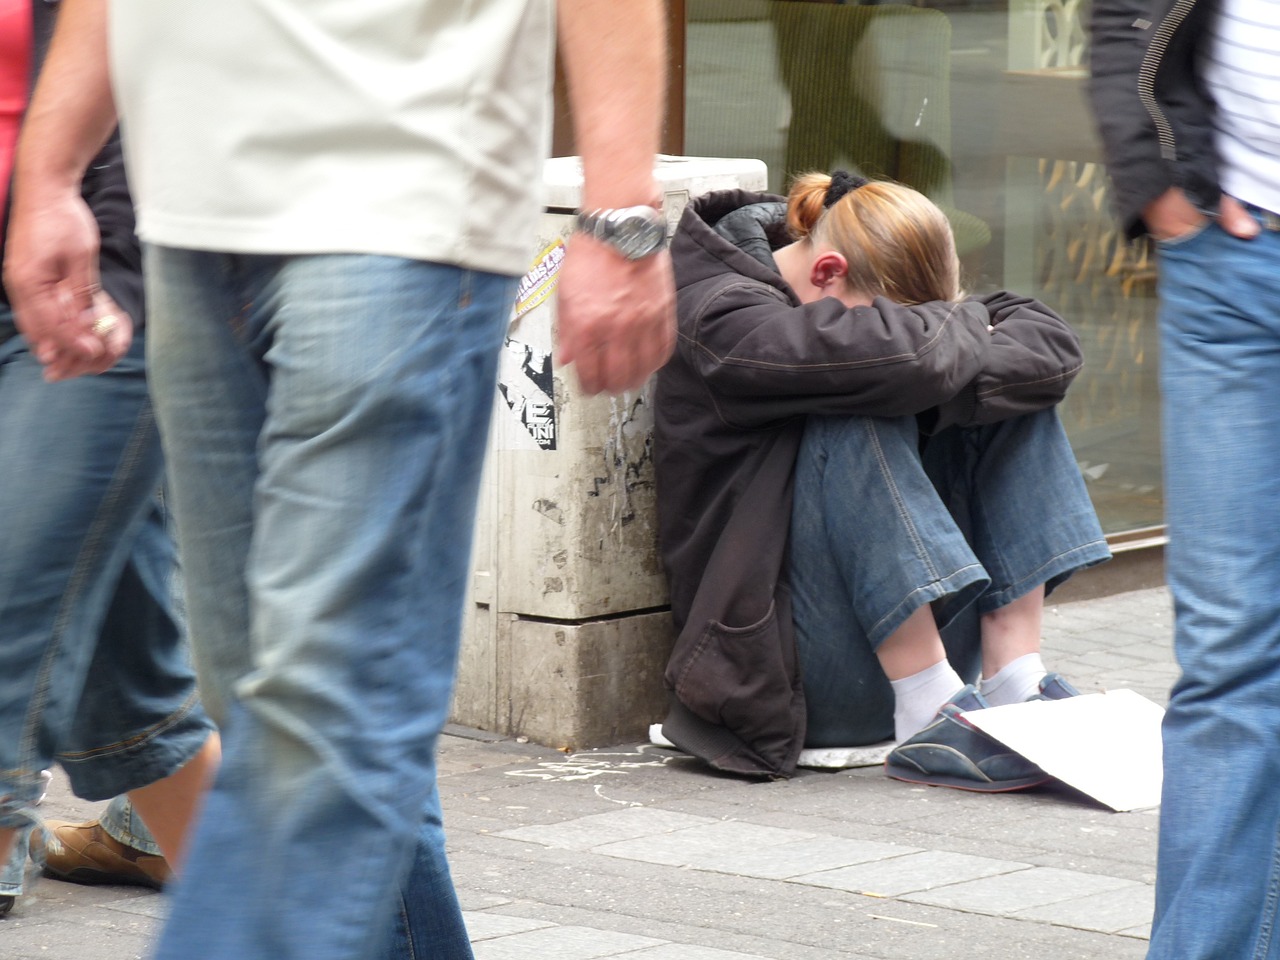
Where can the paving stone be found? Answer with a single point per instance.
(486, 926)
(1010, 893)
(475, 901)
(47, 941)
(694, 845)
(684, 951)
(789, 860)
(562, 943)
(1109, 912)
(918, 872)
(604, 828)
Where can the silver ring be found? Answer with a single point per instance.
(105, 324)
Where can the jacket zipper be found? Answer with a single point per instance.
(1147, 75)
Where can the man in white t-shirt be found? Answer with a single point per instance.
(336, 199)
(1187, 98)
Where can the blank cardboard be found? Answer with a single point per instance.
(1106, 745)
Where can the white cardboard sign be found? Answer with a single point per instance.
(1106, 745)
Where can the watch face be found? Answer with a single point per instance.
(637, 237)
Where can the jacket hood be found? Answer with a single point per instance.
(731, 231)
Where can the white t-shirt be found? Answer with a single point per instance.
(1243, 73)
(413, 128)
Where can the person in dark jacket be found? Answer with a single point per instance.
(1187, 100)
(93, 660)
(864, 492)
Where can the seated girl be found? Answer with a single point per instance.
(864, 491)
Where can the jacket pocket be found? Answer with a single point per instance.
(742, 678)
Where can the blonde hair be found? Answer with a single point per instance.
(897, 242)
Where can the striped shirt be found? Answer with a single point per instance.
(1243, 74)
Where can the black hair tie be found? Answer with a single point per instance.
(842, 181)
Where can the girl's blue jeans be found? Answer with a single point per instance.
(885, 521)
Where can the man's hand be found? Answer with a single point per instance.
(1171, 215)
(1235, 219)
(616, 318)
(51, 276)
(51, 256)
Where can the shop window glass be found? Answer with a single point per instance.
(979, 105)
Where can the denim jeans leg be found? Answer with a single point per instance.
(82, 462)
(121, 822)
(141, 659)
(1218, 871)
(325, 420)
(13, 873)
(428, 920)
(1015, 491)
(871, 542)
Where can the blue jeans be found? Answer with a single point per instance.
(93, 666)
(324, 421)
(1218, 871)
(883, 523)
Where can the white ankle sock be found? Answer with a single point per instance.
(1017, 681)
(917, 698)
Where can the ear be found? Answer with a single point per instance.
(827, 268)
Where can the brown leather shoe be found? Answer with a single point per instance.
(85, 853)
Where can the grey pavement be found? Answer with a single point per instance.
(639, 852)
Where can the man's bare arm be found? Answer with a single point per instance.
(51, 257)
(616, 316)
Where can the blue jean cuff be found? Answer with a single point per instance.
(120, 820)
(13, 872)
(1052, 573)
(159, 752)
(18, 799)
(955, 591)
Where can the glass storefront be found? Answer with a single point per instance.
(981, 106)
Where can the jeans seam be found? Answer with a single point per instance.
(90, 552)
(1267, 925)
(150, 733)
(974, 451)
(1034, 577)
(408, 928)
(939, 587)
(899, 503)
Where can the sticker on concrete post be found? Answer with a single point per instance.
(540, 282)
(525, 377)
(528, 388)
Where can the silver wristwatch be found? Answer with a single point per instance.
(635, 232)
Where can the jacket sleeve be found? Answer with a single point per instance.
(1032, 358)
(1120, 31)
(767, 359)
(106, 191)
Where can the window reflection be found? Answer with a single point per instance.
(981, 107)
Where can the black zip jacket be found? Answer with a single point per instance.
(1153, 112)
(106, 191)
(751, 363)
